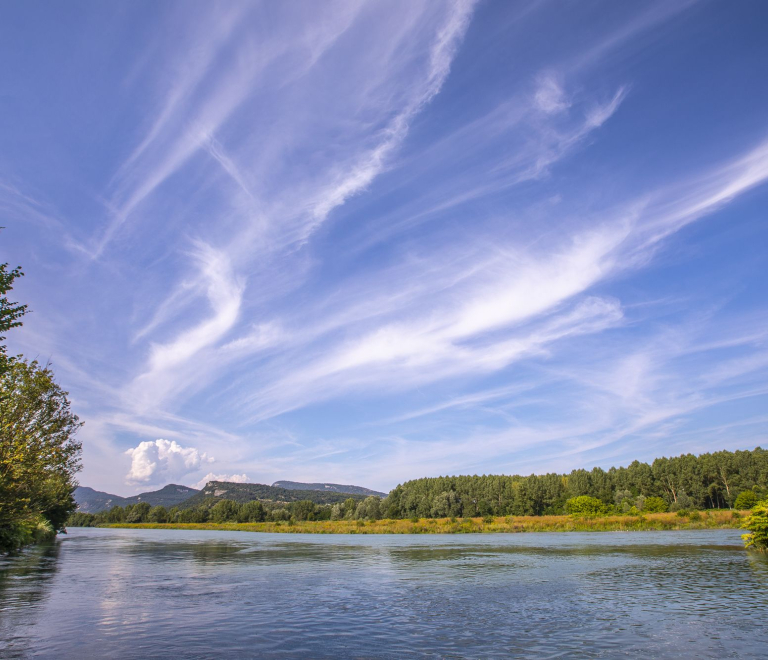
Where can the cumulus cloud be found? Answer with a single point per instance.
(163, 460)
(232, 478)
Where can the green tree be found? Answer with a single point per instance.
(252, 512)
(655, 505)
(746, 500)
(39, 455)
(137, 513)
(116, 514)
(158, 514)
(584, 505)
(368, 509)
(303, 510)
(225, 511)
(350, 505)
(10, 312)
(757, 524)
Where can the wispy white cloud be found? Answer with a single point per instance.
(223, 291)
(370, 208)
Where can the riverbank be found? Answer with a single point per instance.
(506, 524)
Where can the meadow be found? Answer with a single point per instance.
(714, 519)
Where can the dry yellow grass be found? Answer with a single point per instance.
(506, 524)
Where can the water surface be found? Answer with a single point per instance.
(125, 593)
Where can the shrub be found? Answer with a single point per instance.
(757, 524)
(694, 516)
(487, 519)
(584, 505)
(682, 513)
(655, 505)
(746, 500)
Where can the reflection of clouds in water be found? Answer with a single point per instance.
(189, 593)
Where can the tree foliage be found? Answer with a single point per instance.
(39, 455)
(584, 505)
(746, 500)
(10, 312)
(757, 524)
(708, 481)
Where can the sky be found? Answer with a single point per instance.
(366, 242)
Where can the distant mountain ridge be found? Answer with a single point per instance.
(336, 488)
(224, 490)
(93, 501)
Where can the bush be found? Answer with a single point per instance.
(694, 516)
(757, 524)
(487, 519)
(16, 536)
(682, 513)
(746, 500)
(584, 505)
(655, 505)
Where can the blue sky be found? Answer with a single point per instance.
(368, 242)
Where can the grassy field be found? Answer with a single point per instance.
(507, 524)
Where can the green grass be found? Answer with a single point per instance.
(506, 524)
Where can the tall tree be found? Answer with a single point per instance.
(39, 455)
(10, 312)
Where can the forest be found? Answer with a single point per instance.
(708, 481)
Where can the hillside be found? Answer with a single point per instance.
(92, 501)
(223, 490)
(333, 488)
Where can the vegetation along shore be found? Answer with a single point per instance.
(484, 525)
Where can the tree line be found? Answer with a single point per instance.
(225, 511)
(709, 481)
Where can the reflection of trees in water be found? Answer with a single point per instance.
(25, 581)
(221, 552)
(25, 578)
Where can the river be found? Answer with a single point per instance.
(125, 593)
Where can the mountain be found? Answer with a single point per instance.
(224, 490)
(92, 501)
(334, 488)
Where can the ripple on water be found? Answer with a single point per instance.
(169, 594)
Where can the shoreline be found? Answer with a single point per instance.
(717, 519)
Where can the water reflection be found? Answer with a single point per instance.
(136, 594)
(25, 581)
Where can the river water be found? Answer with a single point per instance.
(123, 593)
